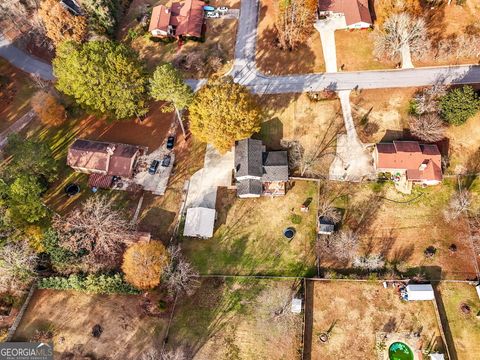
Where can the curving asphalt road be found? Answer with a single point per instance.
(244, 69)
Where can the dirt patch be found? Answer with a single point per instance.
(353, 313)
(126, 332)
(272, 60)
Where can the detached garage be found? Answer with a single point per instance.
(420, 292)
(199, 222)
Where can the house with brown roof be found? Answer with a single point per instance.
(178, 20)
(103, 160)
(355, 14)
(410, 160)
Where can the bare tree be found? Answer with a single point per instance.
(459, 204)
(17, 266)
(460, 46)
(180, 277)
(96, 229)
(427, 100)
(343, 245)
(428, 127)
(400, 36)
(369, 262)
(327, 210)
(294, 22)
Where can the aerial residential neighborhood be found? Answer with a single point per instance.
(240, 179)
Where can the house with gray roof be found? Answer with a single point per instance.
(259, 172)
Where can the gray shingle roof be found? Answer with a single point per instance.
(275, 166)
(248, 158)
(249, 187)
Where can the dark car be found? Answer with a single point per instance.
(166, 160)
(153, 167)
(170, 142)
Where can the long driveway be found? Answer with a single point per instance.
(244, 69)
(24, 61)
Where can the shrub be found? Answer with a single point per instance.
(295, 219)
(459, 104)
(48, 109)
(97, 284)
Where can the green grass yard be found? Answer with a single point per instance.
(249, 239)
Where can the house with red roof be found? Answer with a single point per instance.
(178, 20)
(355, 14)
(415, 162)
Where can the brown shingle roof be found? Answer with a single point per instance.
(96, 156)
(354, 10)
(422, 162)
(187, 18)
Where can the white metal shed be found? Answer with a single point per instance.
(437, 356)
(420, 292)
(199, 222)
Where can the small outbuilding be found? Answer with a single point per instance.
(296, 306)
(478, 290)
(325, 226)
(420, 292)
(199, 222)
(437, 356)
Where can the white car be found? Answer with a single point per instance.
(212, 15)
(222, 9)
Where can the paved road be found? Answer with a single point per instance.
(24, 61)
(244, 70)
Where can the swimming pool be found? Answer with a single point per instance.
(400, 351)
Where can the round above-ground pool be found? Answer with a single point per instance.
(400, 351)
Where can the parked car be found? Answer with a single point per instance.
(166, 161)
(170, 142)
(212, 15)
(222, 9)
(153, 167)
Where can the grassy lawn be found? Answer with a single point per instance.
(314, 124)
(353, 313)
(14, 95)
(307, 58)
(464, 327)
(228, 317)
(355, 51)
(384, 111)
(401, 227)
(248, 238)
(218, 42)
(127, 332)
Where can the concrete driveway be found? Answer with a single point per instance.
(217, 171)
(353, 161)
(326, 28)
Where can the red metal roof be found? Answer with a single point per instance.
(100, 181)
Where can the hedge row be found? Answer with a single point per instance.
(97, 284)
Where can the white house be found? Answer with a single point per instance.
(199, 222)
(420, 292)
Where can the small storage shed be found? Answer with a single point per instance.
(437, 356)
(296, 306)
(478, 290)
(325, 226)
(420, 292)
(199, 222)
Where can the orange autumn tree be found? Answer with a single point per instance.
(47, 108)
(294, 22)
(60, 24)
(144, 264)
